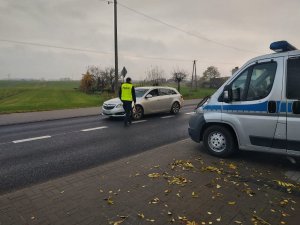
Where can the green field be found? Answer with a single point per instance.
(27, 96)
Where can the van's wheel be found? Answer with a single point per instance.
(138, 112)
(219, 141)
(175, 108)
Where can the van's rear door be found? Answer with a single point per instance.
(293, 105)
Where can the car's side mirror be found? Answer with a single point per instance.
(148, 96)
(227, 94)
(296, 107)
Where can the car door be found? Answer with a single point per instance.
(151, 104)
(293, 105)
(256, 97)
(165, 100)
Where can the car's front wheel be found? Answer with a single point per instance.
(219, 141)
(175, 108)
(138, 112)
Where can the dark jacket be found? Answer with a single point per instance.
(132, 91)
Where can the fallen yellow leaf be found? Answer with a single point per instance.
(141, 215)
(154, 175)
(117, 222)
(191, 223)
(232, 166)
(195, 195)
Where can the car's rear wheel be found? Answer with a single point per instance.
(219, 141)
(138, 112)
(175, 108)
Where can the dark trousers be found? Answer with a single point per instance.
(127, 105)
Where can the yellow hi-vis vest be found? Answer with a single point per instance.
(126, 94)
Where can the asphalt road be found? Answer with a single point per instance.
(36, 152)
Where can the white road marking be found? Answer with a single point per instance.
(166, 117)
(31, 139)
(139, 121)
(190, 113)
(94, 128)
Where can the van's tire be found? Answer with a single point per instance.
(175, 108)
(138, 112)
(219, 141)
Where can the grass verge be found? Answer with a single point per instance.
(29, 96)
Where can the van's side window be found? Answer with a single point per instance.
(238, 86)
(293, 79)
(254, 83)
(261, 81)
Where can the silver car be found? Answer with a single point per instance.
(149, 100)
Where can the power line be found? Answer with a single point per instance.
(89, 50)
(109, 53)
(54, 46)
(101, 52)
(184, 31)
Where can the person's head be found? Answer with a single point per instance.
(128, 80)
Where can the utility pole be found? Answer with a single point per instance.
(116, 46)
(192, 83)
(195, 73)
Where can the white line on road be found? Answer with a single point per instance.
(31, 139)
(190, 113)
(139, 121)
(94, 128)
(166, 117)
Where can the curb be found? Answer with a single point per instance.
(28, 121)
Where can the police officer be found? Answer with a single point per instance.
(127, 96)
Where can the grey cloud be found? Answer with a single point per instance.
(89, 25)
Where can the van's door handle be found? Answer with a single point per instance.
(296, 107)
(272, 107)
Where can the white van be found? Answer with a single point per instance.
(257, 109)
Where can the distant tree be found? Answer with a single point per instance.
(179, 76)
(211, 72)
(99, 79)
(108, 75)
(87, 82)
(156, 76)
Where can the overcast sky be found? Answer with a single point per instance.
(223, 33)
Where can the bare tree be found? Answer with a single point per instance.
(109, 76)
(156, 76)
(179, 76)
(99, 79)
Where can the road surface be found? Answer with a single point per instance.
(36, 152)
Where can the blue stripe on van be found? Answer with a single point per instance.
(212, 107)
(260, 107)
(290, 107)
(283, 107)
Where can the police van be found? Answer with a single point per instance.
(257, 109)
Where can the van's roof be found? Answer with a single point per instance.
(272, 55)
(280, 54)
